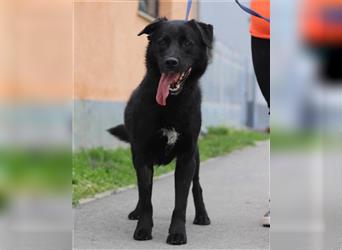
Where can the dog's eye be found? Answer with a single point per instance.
(187, 43)
(162, 42)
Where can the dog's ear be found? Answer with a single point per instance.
(149, 29)
(206, 31)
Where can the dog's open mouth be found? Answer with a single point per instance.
(176, 86)
(170, 83)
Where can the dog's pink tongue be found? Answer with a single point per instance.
(163, 87)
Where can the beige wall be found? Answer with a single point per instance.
(175, 9)
(109, 56)
(36, 50)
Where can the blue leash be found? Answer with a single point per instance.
(248, 10)
(252, 12)
(188, 8)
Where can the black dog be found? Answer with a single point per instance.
(163, 120)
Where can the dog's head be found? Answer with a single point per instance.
(177, 50)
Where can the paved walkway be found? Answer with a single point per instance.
(235, 192)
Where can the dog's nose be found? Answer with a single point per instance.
(171, 62)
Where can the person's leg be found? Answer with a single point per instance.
(332, 61)
(261, 64)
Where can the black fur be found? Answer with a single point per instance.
(119, 132)
(190, 42)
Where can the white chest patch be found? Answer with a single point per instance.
(171, 134)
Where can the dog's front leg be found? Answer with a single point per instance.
(185, 168)
(143, 230)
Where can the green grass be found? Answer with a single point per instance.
(296, 140)
(98, 170)
(33, 171)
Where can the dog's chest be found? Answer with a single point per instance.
(165, 145)
(171, 136)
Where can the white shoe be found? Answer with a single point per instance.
(266, 219)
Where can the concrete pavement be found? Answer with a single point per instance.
(236, 192)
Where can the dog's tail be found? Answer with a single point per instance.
(120, 132)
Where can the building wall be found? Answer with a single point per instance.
(231, 95)
(109, 57)
(176, 9)
(36, 51)
(36, 73)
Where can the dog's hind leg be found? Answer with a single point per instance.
(201, 217)
(144, 226)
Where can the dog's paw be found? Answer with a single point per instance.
(176, 239)
(134, 215)
(202, 220)
(143, 234)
